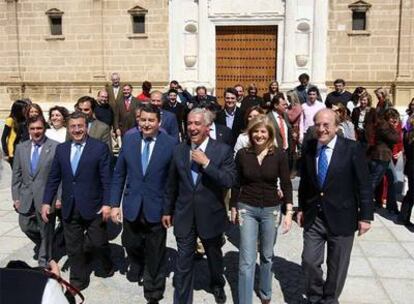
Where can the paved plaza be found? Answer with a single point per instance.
(381, 271)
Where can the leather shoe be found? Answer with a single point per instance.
(135, 274)
(153, 301)
(219, 295)
(265, 301)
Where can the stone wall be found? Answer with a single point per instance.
(381, 56)
(97, 40)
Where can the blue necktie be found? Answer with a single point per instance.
(146, 154)
(35, 159)
(322, 166)
(76, 157)
(195, 170)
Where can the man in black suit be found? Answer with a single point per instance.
(334, 202)
(280, 121)
(202, 99)
(179, 109)
(231, 116)
(200, 172)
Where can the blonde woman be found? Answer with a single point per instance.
(256, 207)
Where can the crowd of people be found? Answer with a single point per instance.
(170, 159)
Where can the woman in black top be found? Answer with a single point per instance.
(256, 206)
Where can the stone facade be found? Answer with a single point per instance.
(383, 55)
(96, 40)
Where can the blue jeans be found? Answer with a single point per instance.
(263, 223)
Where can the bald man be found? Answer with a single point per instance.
(334, 201)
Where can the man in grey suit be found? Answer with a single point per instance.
(114, 90)
(32, 163)
(96, 128)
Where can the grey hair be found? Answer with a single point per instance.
(207, 115)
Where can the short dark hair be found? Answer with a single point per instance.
(174, 82)
(339, 80)
(231, 91)
(313, 89)
(150, 108)
(36, 118)
(172, 91)
(146, 86)
(89, 99)
(77, 115)
(391, 113)
(276, 99)
(201, 88)
(303, 76)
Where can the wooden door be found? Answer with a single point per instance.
(245, 54)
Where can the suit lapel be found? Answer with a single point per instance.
(27, 156)
(187, 162)
(312, 162)
(42, 157)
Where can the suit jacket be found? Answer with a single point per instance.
(101, 131)
(124, 119)
(368, 133)
(266, 102)
(113, 100)
(169, 123)
(26, 187)
(89, 188)
(180, 112)
(142, 191)
(224, 135)
(238, 123)
(201, 204)
(345, 197)
(251, 101)
(278, 133)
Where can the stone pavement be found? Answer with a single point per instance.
(381, 270)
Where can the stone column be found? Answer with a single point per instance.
(13, 20)
(405, 39)
(319, 43)
(97, 12)
(289, 67)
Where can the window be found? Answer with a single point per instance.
(138, 15)
(358, 21)
(138, 26)
(359, 18)
(55, 23)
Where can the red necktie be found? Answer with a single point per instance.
(127, 104)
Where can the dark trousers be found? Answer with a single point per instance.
(408, 201)
(338, 257)
(74, 230)
(184, 275)
(142, 239)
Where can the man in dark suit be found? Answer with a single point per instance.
(231, 116)
(103, 110)
(124, 112)
(96, 128)
(114, 90)
(168, 119)
(202, 99)
(183, 97)
(280, 121)
(200, 172)
(32, 163)
(334, 201)
(178, 109)
(144, 199)
(82, 165)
